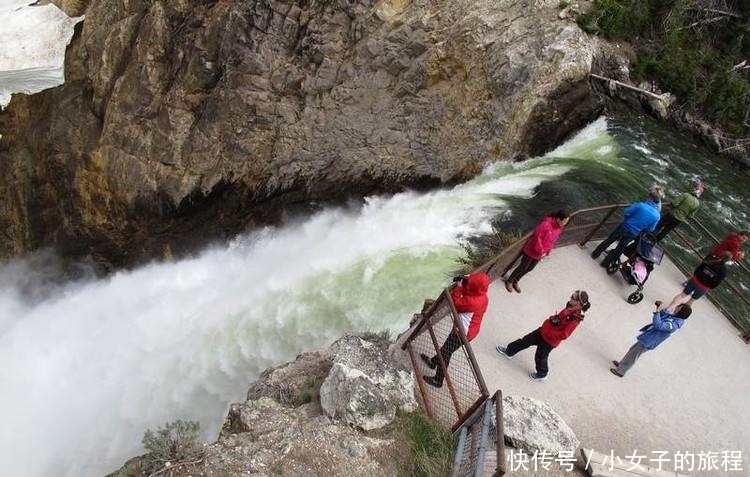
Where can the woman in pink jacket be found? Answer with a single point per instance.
(538, 246)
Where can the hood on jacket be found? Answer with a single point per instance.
(477, 284)
(552, 222)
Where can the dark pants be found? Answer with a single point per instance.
(543, 350)
(452, 343)
(623, 239)
(666, 224)
(527, 264)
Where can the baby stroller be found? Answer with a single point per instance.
(637, 268)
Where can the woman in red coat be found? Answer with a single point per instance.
(538, 246)
(470, 299)
(553, 331)
(731, 243)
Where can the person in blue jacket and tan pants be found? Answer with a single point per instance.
(662, 326)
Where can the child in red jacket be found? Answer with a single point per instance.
(470, 299)
(553, 331)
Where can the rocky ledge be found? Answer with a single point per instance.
(330, 412)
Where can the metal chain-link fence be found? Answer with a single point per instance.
(461, 390)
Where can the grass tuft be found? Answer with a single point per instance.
(430, 446)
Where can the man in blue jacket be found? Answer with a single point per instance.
(663, 324)
(639, 217)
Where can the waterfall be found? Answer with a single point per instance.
(89, 366)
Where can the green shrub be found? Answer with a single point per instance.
(311, 391)
(430, 445)
(176, 442)
(480, 250)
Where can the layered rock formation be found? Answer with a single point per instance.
(194, 119)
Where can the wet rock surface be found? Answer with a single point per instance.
(182, 122)
(186, 121)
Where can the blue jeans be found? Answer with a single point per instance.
(623, 239)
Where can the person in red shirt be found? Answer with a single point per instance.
(553, 331)
(471, 301)
(538, 246)
(732, 244)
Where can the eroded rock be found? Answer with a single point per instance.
(533, 425)
(364, 388)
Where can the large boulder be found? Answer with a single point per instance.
(533, 425)
(363, 387)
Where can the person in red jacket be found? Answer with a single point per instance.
(731, 244)
(470, 299)
(538, 246)
(553, 331)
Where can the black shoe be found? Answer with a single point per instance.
(616, 363)
(594, 255)
(616, 373)
(433, 381)
(657, 303)
(428, 361)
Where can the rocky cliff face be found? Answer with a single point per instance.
(193, 119)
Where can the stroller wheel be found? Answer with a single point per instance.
(635, 297)
(613, 267)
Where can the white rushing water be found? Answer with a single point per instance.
(89, 366)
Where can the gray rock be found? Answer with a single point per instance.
(363, 388)
(533, 425)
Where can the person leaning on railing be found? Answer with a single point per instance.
(731, 243)
(707, 276)
(538, 246)
(471, 301)
(639, 217)
(682, 208)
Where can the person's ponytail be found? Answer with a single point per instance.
(584, 298)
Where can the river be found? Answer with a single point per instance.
(89, 365)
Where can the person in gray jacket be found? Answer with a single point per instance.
(663, 324)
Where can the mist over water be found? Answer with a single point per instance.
(89, 365)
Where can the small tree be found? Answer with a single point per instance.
(175, 443)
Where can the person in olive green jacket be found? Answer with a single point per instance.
(682, 209)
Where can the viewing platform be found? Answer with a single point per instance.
(690, 394)
(685, 400)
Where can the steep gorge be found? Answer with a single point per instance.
(191, 120)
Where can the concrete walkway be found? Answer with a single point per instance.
(690, 395)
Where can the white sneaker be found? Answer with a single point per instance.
(503, 351)
(536, 377)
